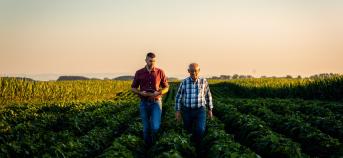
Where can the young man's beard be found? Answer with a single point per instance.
(151, 66)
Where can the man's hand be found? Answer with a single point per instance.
(178, 116)
(149, 94)
(156, 93)
(209, 113)
(145, 94)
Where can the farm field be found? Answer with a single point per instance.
(252, 118)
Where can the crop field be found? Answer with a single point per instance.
(99, 118)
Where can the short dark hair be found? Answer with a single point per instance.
(151, 55)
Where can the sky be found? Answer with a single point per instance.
(111, 37)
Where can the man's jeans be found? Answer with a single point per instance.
(197, 118)
(150, 112)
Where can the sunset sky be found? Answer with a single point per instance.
(256, 37)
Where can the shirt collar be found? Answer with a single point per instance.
(152, 70)
(191, 80)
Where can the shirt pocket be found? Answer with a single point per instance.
(201, 90)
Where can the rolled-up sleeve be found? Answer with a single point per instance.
(164, 80)
(135, 82)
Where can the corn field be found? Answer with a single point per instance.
(14, 90)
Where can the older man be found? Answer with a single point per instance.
(152, 83)
(192, 98)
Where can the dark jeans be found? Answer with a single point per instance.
(150, 112)
(197, 118)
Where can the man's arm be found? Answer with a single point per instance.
(208, 96)
(178, 97)
(142, 93)
(164, 84)
(135, 85)
(160, 92)
(164, 90)
(135, 90)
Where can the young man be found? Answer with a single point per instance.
(192, 98)
(149, 80)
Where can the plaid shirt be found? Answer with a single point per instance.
(193, 94)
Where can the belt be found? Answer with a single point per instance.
(151, 99)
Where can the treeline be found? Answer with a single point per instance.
(119, 78)
(237, 76)
(68, 78)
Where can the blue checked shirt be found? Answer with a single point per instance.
(193, 94)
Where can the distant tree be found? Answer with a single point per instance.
(324, 75)
(235, 76)
(18, 78)
(243, 76)
(124, 78)
(225, 77)
(171, 79)
(215, 77)
(289, 76)
(249, 76)
(66, 78)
